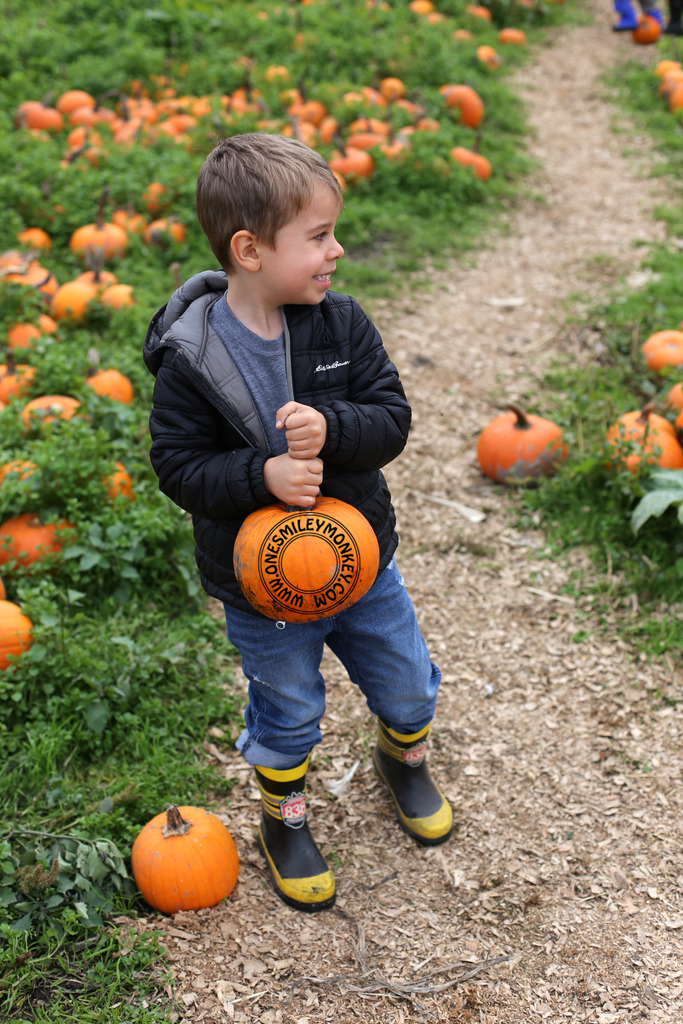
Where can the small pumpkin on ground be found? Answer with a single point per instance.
(674, 398)
(15, 378)
(15, 631)
(119, 484)
(102, 240)
(111, 384)
(662, 349)
(47, 409)
(648, 31)
(27, 541)
(71, 301)
(23, 468)
(653, 437)
(517, 447)
(184, 859)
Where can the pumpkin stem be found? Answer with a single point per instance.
(104, 199)
(646, 411)
(522, 418)
(339, 142)
(175, 823)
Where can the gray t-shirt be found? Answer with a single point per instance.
(261, 363)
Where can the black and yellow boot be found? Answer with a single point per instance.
(299, 873)
(400, 762)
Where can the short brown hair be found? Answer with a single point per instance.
(256, 182)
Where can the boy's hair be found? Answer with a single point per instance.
(256, 182)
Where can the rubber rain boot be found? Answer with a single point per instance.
(400, 761)
(673, 26)
(628, 19)
(655, 14)
(298, 870)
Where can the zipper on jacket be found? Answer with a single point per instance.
(288, 356)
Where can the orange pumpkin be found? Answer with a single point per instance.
(100, 278)
(184, 859)
(15, 378)
(299, 565)
(166, 229)
(352, 163)
(117, 296)
(392, 89)
(35, 238)
(653, 437)
(15, 632)
(466, 101)
(663, 348)
(72, 99)
(27, 541)
(37, 116)
(487, 55)
(107, 239)
(516, 36)
(517, 447)
(72, 299)
(21, 335)
(119, 484)
(47, 409)
(648, 30)
(479, 11)
(481, 167)
(155, 197)
(22, 467)
(27, 271)
(111, 384)
(674, 397)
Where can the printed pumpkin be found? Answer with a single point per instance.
(299, 565)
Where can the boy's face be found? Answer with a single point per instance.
(297, 269)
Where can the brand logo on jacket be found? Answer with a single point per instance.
(330, 366)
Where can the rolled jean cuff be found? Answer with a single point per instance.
(256, 754)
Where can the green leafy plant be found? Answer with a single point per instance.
(45, 874)
(664, 491)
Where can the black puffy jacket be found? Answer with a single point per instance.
(208, 446)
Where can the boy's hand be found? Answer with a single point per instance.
(305, 429)
(296, 481)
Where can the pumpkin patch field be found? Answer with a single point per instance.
(117, 703)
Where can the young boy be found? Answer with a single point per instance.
(270, 386)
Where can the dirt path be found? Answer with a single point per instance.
(563, 768)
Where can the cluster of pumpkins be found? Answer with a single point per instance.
(367, 120)
(516, 447)
(24, 539)
(670, 87)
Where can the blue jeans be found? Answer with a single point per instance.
(377, 640)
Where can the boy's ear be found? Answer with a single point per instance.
(246, 250)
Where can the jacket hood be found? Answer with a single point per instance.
(190, 303)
